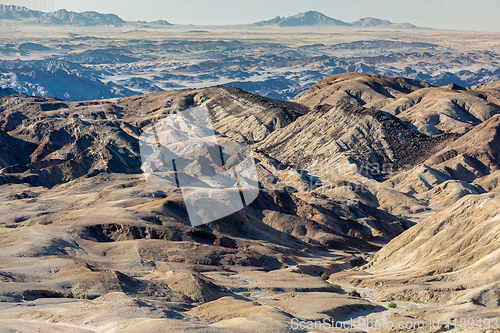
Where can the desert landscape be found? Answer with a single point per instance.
(377, 151)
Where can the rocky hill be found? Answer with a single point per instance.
(314, 18)
(461, 272)
(89, 18)
(6, 91)
(147, 59)
(375, 22)
(345, 170)
(307, 18)
(59, 17)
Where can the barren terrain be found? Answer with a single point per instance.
(94, 62)
(377, 150)
(87, 244)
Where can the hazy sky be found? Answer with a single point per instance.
(447, 14)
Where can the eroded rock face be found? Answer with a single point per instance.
(367, 137)
(59, 142)
(337, 172)
(362, 89)
(463, 268)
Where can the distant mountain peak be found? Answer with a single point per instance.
(371, 21)
(62, 17)
(309, 18)
(67, 17)
(376, 22)
(314, 18)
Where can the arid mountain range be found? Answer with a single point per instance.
(372, 186)
(59, 17)
(375, 146)
(91, 18)
(82, 56)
